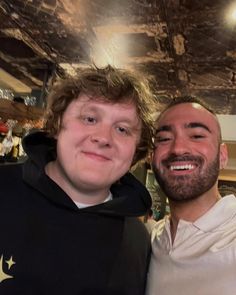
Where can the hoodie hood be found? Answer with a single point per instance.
(130, 196)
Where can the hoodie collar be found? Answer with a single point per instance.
(130, 197)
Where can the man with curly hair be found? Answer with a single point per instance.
(69, 213)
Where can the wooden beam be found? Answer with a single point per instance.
(18, 111)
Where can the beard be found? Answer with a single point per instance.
(184, 188)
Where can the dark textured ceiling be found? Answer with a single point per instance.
(189, 46)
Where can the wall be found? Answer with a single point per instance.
(228, 126)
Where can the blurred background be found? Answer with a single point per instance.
(188, 47)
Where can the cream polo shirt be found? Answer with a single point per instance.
(202, 260)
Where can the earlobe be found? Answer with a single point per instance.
(223, 156)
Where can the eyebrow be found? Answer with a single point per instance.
(191, 125)
(163, 128)
(197, 125)
(132, 124)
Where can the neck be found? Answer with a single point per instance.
(191, 210)
(78, 194)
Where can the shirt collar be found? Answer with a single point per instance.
(222, 211)
(83, 205)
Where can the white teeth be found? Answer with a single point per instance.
(182, 167)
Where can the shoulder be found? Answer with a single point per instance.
(158, 228)
(10, 172)
(136, 230)
(150, 224)
(10, 181)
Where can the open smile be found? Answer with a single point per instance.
(181, 167)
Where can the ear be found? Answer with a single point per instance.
(149, 158)
(223, 155)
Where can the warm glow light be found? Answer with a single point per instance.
(233, 15)
(230, 15)
(110, 49)
(113, 42)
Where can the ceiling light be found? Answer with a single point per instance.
(230, 14)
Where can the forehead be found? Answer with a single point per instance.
(185, 113)
(126, 104)
(125, 109)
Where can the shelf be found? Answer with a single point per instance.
(228, 175)
(18, 111)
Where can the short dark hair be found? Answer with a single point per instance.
(113, 85)
(188, 99)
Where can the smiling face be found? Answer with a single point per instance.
(96, 144)
(188, 153)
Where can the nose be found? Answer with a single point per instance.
(179, 146)
(102, 136)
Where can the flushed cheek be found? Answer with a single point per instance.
(68, 147)
(72, 139)
(126, 161)
(127, 164)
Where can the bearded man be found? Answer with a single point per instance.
(193, 249)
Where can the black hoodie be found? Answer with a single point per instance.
(49, 246)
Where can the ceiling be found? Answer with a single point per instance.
(188, 46)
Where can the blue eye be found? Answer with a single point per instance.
(89, 120)
(123, 130)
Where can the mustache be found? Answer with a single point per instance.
(183, 158)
